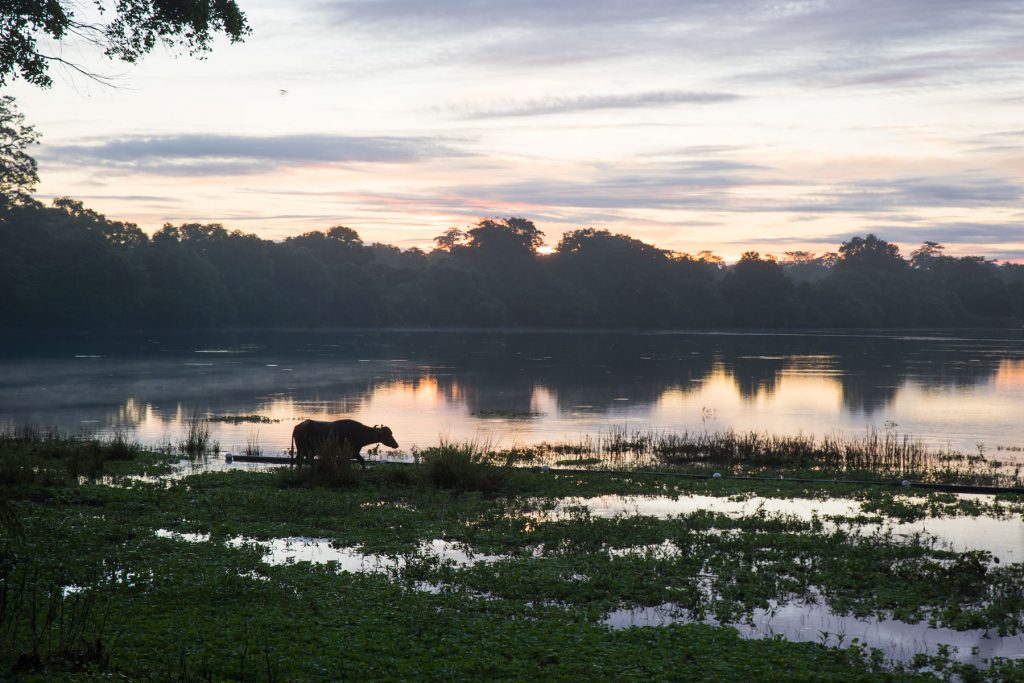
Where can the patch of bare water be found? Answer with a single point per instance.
(813, 621)
(663, 507)
(183, 536)
(351, 559)
(1002, 537)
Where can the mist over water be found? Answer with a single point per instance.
(505, 387)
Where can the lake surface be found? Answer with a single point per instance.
(506, 387)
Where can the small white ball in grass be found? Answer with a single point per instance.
(716, 475)
(904, 483)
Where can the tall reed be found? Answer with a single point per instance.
(877, 453)
(196, 441)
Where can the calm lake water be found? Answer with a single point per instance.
(961, 389)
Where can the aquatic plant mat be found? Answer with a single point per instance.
(449, 570)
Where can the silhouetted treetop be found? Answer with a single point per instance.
(870, 252)
(116, 232)
(711, 258)
(123, 29)
(195, 233)
(602, 244)
(451, 238)
(924, 256)
(346, 236)
(512, 236)
(795, 258)
(343, 244)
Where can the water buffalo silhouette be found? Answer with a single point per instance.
(310, 435)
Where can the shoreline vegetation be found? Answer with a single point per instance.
(67, 267)
(461, 566)
(878, 454)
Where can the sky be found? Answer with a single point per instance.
(728, 125)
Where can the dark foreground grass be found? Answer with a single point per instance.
(29, 456)
(90, 590)
(464, 467)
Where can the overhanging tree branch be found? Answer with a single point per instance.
(134, 28)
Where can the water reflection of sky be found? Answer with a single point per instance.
(505, 388)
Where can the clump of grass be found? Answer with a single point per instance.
(120, 447)
(252, 446)
(463, 467)
(196, 441)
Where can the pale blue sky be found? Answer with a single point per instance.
(693, 124)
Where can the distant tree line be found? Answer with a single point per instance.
(68, 267)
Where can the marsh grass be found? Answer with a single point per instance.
(44, 626)
(120, 447)
(252, 446)
(196, 441)
(174, 610)
(874, 453)
(29, 455)
(465, 467)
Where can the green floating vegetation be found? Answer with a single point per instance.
(242, 419)
(509, 414)
(91, 590)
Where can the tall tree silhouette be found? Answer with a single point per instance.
(870, 252)
(618, 280)
(18, 170)
(511, 237)
(759, 293)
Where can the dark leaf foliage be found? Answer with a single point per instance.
(18, 170)
(122, 29)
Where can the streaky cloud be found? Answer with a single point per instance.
(218, 154)
(581, 103)
(956, 233)
(851, 43)
(944, 233)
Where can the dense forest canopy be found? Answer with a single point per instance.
(68, 267)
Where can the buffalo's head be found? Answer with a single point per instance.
(385, 436)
